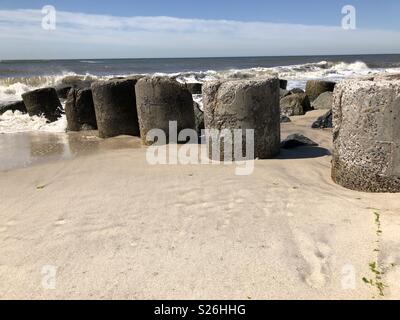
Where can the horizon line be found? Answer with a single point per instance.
(210, 57)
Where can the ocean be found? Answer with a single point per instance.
(17, 77)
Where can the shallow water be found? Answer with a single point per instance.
(25, 149)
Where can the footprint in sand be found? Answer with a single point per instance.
(316, 255)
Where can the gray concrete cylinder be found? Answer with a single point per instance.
(366, 131)
(79, 110)
(115, 107)
(43, 102)
(161, 100)
(244, 104)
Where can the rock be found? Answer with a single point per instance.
(324, 101)
(135, 77)
(13, 106)
(74, 82)
(161, 100)
(115, 107)
(383, 76)
(283, 93)
(79, 110)
(366, 135)
(297, 140)
(297, 90)
(315, 87)
(199, 118)
(62, 91)
(285, 119)
(43, 102)
(194, 88)
(243, 104)
(324, 121)
(283, 84)
(296, 104)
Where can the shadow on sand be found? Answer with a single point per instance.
(303, 153)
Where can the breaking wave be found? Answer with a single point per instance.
(12, 122)
(11, 88)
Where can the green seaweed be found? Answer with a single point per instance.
(374, 266)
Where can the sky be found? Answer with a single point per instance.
(177, 28)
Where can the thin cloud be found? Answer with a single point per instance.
(80, 35)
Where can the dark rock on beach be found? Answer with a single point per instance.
(297, 140)
(295, 105)
(13, 106)
(79, 109)
(75, 82)
(324, 101)
(283, 93)
(296, 90)
(316, 87)
(43, 102)
(323, 122)
(135, 78)
(285, 119)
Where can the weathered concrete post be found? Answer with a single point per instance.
(366, 121)
(161, 100)
(43, 102)
(243, 104)
(115, 107)
(79, 110)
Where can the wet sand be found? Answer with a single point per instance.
(114, 226)
(33, 148)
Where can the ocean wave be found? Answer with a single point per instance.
(14, 122)
(12, 88)
(90, 61)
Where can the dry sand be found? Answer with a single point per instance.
(116, 227)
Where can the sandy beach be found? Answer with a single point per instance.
(115, 227)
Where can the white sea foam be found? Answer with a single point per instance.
(198, 98)
(13, 122)
(297, 76)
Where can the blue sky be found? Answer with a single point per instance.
(106, 29)
(372, 13)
